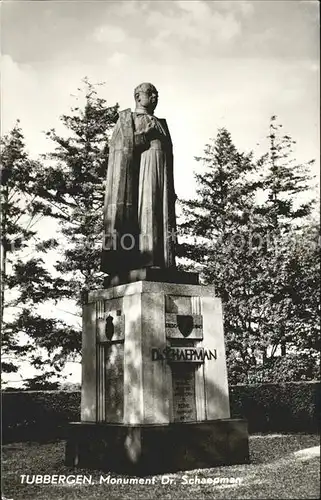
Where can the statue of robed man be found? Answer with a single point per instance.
(139, 210)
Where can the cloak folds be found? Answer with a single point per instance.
(136, 202)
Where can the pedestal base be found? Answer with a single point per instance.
(149, 449)
(168, 275)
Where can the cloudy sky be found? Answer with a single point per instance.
(215, 63)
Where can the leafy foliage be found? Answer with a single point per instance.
(75, 175)
(66, 186)
(26, 282)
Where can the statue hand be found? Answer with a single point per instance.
(150, 128)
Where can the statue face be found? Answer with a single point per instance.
(147, 97)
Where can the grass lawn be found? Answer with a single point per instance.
(282, 466)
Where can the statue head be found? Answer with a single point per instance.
(146, 96)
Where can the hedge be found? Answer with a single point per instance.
(288, 407)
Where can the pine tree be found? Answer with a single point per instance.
(68, 187)
(25, 279)
(247, 249)
(75, 175)
(219, 221)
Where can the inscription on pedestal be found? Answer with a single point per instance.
(184, 404)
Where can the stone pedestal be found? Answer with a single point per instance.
(154, 381)
(155, 449)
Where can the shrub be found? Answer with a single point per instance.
(287, 407)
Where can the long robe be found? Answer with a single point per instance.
(139, 210)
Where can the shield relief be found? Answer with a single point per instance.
(185, 324)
